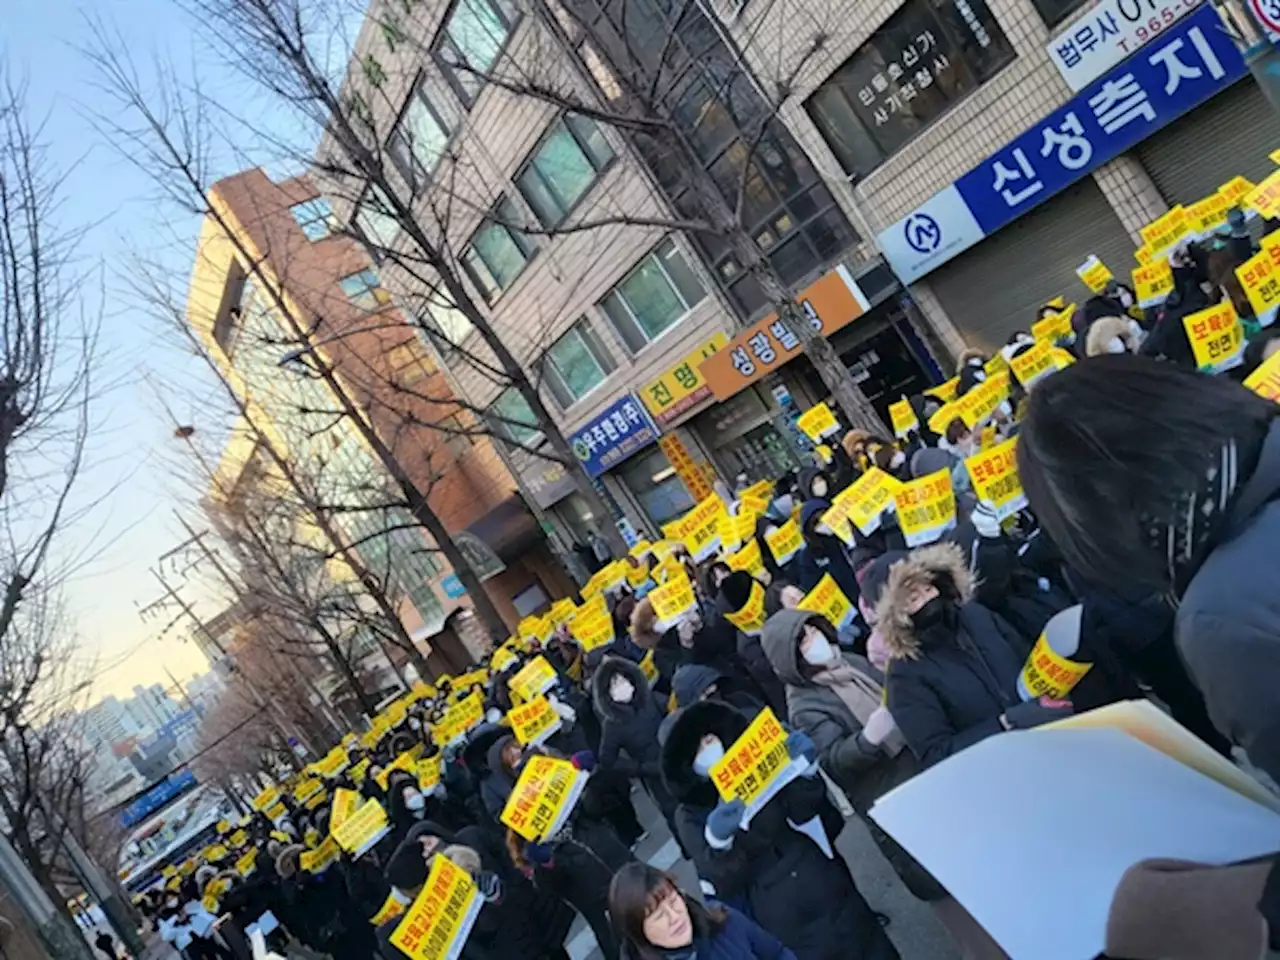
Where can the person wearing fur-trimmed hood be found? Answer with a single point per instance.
(777, 874)
(952, 679)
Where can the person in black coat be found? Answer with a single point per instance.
(630, 715)
(952, 679)
(780, 876)
(694, 682)
(823, 553)
(734, 593)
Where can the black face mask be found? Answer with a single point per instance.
(935, 620)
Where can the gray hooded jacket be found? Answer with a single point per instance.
(863, 771)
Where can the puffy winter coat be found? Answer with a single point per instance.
(629, 731)
(787, 883)
(947, 690)
(736, 939)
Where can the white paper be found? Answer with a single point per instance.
(1031, 831)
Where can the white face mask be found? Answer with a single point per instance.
(415, 723)
(493, 715)
(622, 690)
(897, 460)
(818, 651)
(415, 802)
(707, 757)
(819, 488)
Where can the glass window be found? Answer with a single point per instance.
(563, 168)
(576, 364)
(498, 252)
(376, 223)
(449, 326)
(364, 289)
(511, 417)
(473, 37)
(315, 217)
(653, 481)
(1055, 11)
(418, 140)
(925, 58)
(653, 297)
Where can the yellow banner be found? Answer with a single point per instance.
(535, 628)
(238, 839)
(345, 803)
(216, 852)
(946, 392)
(502, 658)
(224, 826)
(1054, 326)
(1205, 216)
(403, 762)
(926, 507)
(1265, 197)
(904, 418)
(362, 829)
(534, 721)
(269, 797)
(700, 528)
(868, 497)
(1235, 190)
(276, 811)
(818, 422)
(592, 630)
(748, 559)
(458, 719)
(390, 909)
(313, 861)
(1048, 674)
(757, 765)
(428, 773)
(1037, 362)
(437, 923)
(977, 406)
(333, 762)
(1165, 232)
(535, 677)
(785, 542)
(1152, 283)
(1265, 381)
(307, 788)
(828, 600)
(750, 618)
(1217, 337)
(995, 478)
(672, 600)
(1259, 276)
(247, 863)
(649, 668)
(360, 770)
(1093, 273)
(683, 386)
(543, 797)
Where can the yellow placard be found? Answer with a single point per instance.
(239, 838)
(403, 762)
(1093, 273)
(638, 575)
(904, 418)
(269, 797)
(216, 852)
(868, 497)
(926, 507)
(1165, 232)
(828, 600)
(502, 658)
(1142, 255)
(209, 902)
(995, 478)
(649, 668)
(818, 422)
(534, 721)
(1265, 381)
(945, 392)
(307, 788)
(458, 719)
(1259, 277)
(362, 829)
(333, 762)
(1235, 190)
(428, 773)
(744, 524)
(543, 797)
(701, 528)
(535, 677)
(672, 599)
(785, 542)
(592, 630)
(1152, 283)
(1036, 362)
(978, 405)
(345, 803)
(748, 558)
(224, 826)
(247, 863)
(1205, 216)
(316, 800)
(562, 610)
(683, 386)
(313, 861)
(755, 767)
(1265, 197)
(1216, 336)
(535, 628)
(360, 770)
(390, 909)
(276, 812)
(436, 924)
(1048, 674)
(750, 617)
(1054, 326)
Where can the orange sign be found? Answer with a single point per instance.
(829, 303)
(690, 474)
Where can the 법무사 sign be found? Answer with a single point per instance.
(1109, 33)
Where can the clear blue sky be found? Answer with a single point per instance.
(134, 450)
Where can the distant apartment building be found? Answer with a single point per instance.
(327, 281)
(654, 347)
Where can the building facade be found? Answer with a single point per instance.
(326, 280)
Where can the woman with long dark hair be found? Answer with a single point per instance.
(655, 920)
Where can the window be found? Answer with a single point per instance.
(576, 364)
(365, 290)
(315, 217)
(447, 326)
(498, 252)
(376, 223)
(563, 168)
(1055, 11)
(418, 140)
(473, 36)
(923, 60)
(653, 297)
(511, 417)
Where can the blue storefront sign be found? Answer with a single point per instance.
(453, 587)
(622, 429)
(1188, 64)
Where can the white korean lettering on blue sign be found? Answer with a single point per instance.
(1190, 62)
(621, 430)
